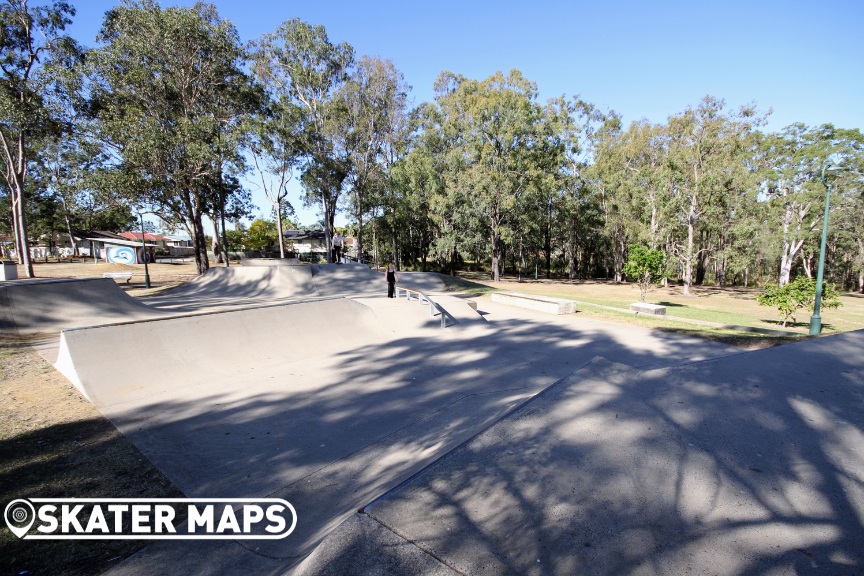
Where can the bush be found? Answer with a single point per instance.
(798, 294)
(645, 266)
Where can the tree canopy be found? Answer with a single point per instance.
(173, 114)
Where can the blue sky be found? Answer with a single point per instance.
(803, 60)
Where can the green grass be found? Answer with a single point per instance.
(748, 340)
(732, 306)
(681, 310)
(455, 284)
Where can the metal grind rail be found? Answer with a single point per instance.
(424, 299)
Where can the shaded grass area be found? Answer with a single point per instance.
(740, 339)
(457, 284)
(733, 306)
(53, 443)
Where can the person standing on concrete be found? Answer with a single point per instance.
(338, 245)
(392, 278)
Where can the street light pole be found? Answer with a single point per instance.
(816, 318)
(144, 253)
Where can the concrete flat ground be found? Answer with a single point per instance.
(333, 403)
(744, 465)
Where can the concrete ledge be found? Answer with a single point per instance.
(534, 302)
(643, 308)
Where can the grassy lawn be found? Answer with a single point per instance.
(733, 306)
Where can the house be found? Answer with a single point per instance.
(178, 240)
(305, 241)
(156, 239)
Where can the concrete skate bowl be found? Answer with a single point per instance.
(238, 286)
(32, 306)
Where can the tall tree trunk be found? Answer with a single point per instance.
(68, 220)
(359, 246)
(224, 236)
(618, 251)
(395, 242)
(279, 230)
(196, 225)
(24, 258)
(807, 262)
(16, 231)
(496, 255)
(214, 243)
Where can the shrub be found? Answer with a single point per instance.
(645, 266)
(798, 294)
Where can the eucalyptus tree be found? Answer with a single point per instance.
(706, 149)
(610, 179)
(500, 127)
(274, 143)
(371, 128)
(423, 179)
(574, 124)
(413, 182)
(794, 188)
(164, 83)
(299, 61)
(33, 51)
(68, 168)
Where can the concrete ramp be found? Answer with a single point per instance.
(116, 364)
(348, 279)
(427, 282)
(238, 286)
(31, 306)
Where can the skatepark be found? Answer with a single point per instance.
(508, 442)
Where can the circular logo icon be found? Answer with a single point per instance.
(20, 516)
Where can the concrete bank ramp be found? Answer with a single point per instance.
(748, 465)
(50, 305)
(238, 286)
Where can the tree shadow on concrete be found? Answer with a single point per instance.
(725, 467)
(330, 432)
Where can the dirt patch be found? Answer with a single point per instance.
(54, 443)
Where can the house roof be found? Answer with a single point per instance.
(97, 235)
(303, 234)
(148, 237)
(121, 242)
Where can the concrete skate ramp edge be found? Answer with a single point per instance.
(51, 305)
(357, 279)
(123, 362)
(247, 282)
